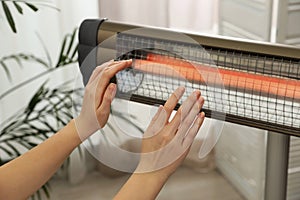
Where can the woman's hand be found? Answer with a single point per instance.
(99, 93)
(167, 142)
(164, 146)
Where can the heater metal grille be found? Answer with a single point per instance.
(242, 87)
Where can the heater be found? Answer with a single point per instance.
(244, 82)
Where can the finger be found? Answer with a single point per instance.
(105, 76)
(157, 122)
(117, 66)
(98, 69)
(189, 103)
(190, 136)
(184, 109)
(190, 118)
(104, 110)
(97, 72)
(173, 100)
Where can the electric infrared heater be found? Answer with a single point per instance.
(244, 82)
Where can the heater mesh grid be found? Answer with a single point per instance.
(242, 87)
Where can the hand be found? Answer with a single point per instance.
(166, 143)
(98, 95)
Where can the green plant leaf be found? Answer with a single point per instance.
(18, 58)
(7, 128)
(2, 63)
(32, 7)
(9, 17)
(38, 193)
(18, 7)
(74, 52)
(51, 129)
(65, 55)
(25, 144)
(37, 97)
(46, 189)
(13, 148)
(9, 153)
(61, 57)
(29, 57)
(71, 41)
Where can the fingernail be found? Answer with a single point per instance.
(202, 114)
(128, 60)
(179, 92)
(201, 101)
(182, 89)
(196, 94)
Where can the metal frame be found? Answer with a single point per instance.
(277, 166)
(110, 28)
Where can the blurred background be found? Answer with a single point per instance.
(235, 169)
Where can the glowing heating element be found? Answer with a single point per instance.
(243, 81)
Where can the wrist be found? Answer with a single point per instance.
(155, 177)
(84, 128)
(73, 132)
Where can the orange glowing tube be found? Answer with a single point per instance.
(212, 76)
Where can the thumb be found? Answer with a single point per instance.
(104, 110)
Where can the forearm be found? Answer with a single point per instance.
(23, 176)
(144, 186)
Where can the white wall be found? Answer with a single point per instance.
(191, 15)
(145, 12)
(51, 25)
